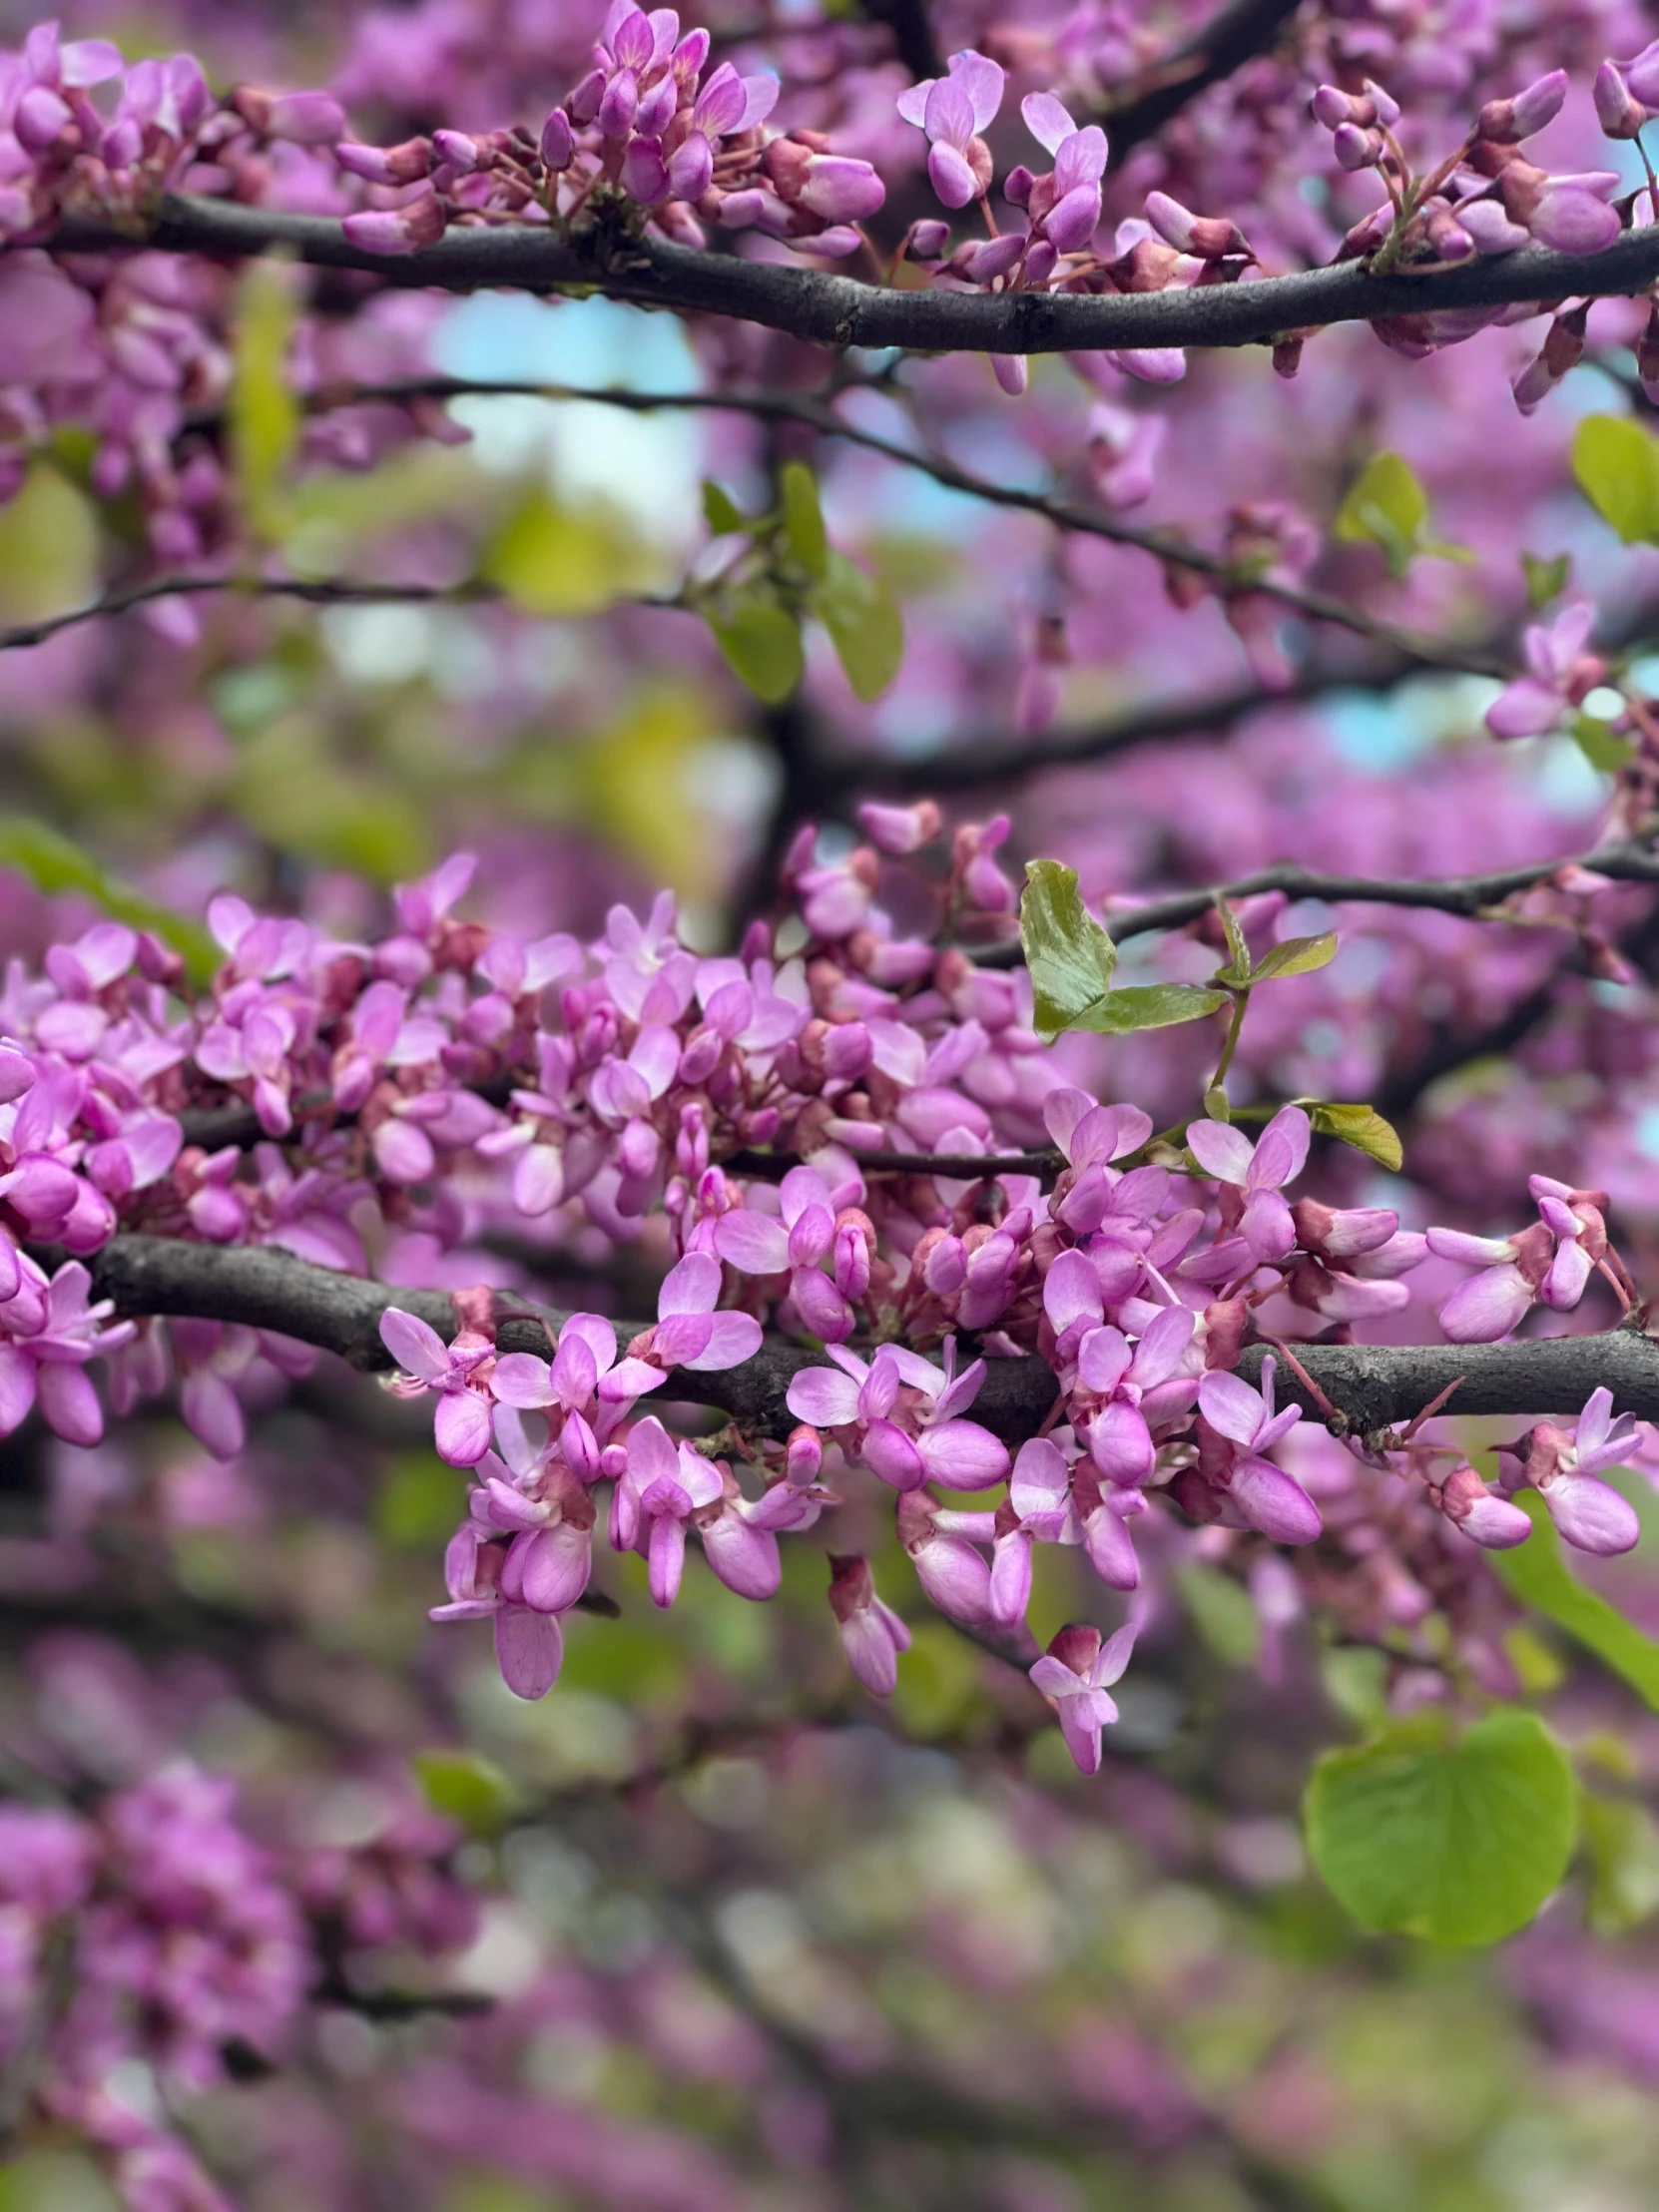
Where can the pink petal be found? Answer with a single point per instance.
(758, 1243)
(520, 1378)
(690, 1287)
(963, 1456)
(461, 1429)
(1591, 1516)
(528, 1649)
(732, 1339)
(821, 1396)
(417, 1347)
(1220, 1150)
(1274, 1502)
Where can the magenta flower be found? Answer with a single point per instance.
(1119, 1389)
(458, 1372)
(1075, 1674)
(1561, 674)
(955, 111)
(1267, 1497)
(899, 1416)
(529, 1645)
(664, 1487)
(55, 1334)
(689, 1334)
(1562, 1466)
(1260, 1171)
(873, 1635)
(1485, 1518)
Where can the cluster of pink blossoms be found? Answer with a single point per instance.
(375, 1108)
(1137, 1278)
(642, 129)
(194, 1949)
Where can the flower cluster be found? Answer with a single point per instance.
(643, 129)
(193, 1950)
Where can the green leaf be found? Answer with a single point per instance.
(804, 518)
(265, 414)
(554, 560)
(1601, 745)
(1069, 955)
(1537, 1574)
(1151, 1006)
(1456, 1839)
(1387, 507)
(1545, 580)
(465, 1785)
(1237, 963)
(1296, 956)
(720, 511)
(1616, 463)
(865, 625)
(1361, 1126)
(1223, 1612)
(54, 863)
(1622, 1845)
(762, 645)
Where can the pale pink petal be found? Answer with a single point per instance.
(528, 1649)
(417, 1347)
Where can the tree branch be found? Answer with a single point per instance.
(1470, 896)
(1375, 1386)
(839, 310)
(1215, 50)
(1408, 648)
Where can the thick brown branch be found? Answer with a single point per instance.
(1375, 1386)
(840, 311)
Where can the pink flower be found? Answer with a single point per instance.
(1266, 1496)
(44, 1362)
(955, 111)
(664, 1487)
(1485, 1518)
(1260, 1171)
(1561, 674)
(458, 1372)
(899, 1416)
(873, 1635)
(689, 1334)
(1076, 1674)
(1119, 1389)
(1562, 1466)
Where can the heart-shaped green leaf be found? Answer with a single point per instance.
(1460, 1839)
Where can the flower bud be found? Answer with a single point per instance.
(1507, 122)
(1620, 115)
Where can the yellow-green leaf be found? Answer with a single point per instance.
(720, 511)
(1237, 963)
(865, 625)
(1069, 955)
(1296, 956)
(1387, 507)
(1537, 1574)
(555, 560)
(762, 645)
(465, 1785)
(264, 416)
(1361, 1126)
(1545, 580)
(1601, 745)
(1616, 463)
(804, 518)
(55, 863)
(1622, 1845)
(1151, 1006)
(49, 548)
